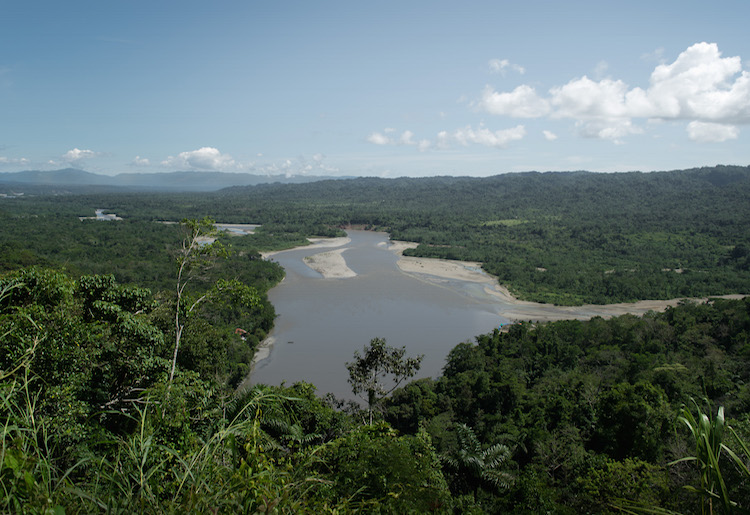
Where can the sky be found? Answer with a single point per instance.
(387, 89)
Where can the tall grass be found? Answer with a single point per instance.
(228, 472)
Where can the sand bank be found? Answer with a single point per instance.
(263, 350)
(513, 308)
(331, 265)
(314, 244)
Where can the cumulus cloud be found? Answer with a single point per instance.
(444, 139)
(14, 161)
(700, 86)
(407, 138)
(383, 138)
(486, 137)
(502, 65)
(549, 136)
(76, 155)
(584, 98)
(205, 158)
(140, 161)
(705, 132)
(613, 130)
(377, 138)
(316, 165)
(522, 102)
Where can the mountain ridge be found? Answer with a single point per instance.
(184, 181)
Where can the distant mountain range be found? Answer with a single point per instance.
(72, 180)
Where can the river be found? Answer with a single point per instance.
(322, 322)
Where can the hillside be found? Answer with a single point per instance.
(564, 238)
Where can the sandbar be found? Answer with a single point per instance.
(331, 265)
(263, 350)
(314, 244)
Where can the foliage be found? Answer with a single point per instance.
(385, 472)
(587, 402)
(566, 238)
(708, 436)
(379, 371)
(475, 467)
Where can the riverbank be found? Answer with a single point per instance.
(521, 310)
(332, 264)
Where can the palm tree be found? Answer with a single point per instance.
(474, 467)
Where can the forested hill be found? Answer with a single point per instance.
(553, 237)
(557, 237)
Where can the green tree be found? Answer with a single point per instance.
(474, 467)
(199, 249)
(379, 371)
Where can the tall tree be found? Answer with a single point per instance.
(199, 250)
(380, 370)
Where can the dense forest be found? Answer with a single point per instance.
(564, 238)
(120, 354)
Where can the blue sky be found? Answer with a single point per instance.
(402, 88)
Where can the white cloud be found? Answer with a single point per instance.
(443, 140)
(14, 160)
(484, 136)
(299, 166)
(76, 155)
(699, 86)
(205, 158)
(657, 55)
(549, 136)
(464, 136)
(613, 130)
(522, 102)
(584, 98)
(601, 69)
(407, 138)
(140, 161)
(501, 65)
(704, 132)
(377, 138)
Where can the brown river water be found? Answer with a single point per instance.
(322, 322)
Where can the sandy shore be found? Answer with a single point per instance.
(331, 265)
(520, 310)
(263, 350)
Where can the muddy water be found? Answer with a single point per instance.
(321, 322)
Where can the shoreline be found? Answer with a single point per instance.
(332, 265)
(522, 310)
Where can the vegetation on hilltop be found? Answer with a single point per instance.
(564, 417)
(565, 238)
